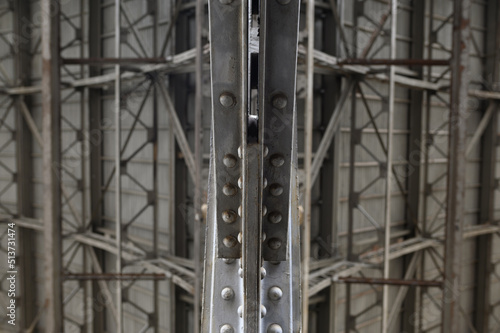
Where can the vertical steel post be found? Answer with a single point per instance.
(198, 154)
(308, 146)
(388, 184)
(118, 172)
(489, 156)
(414, 157)
(24, 167)
(51, 134)
(456, 166)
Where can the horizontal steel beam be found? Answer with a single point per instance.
(112, 61)
(392, 282)
(395, 62)
(112, 276)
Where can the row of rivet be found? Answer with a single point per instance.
(228, 100)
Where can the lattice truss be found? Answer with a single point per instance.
(380, 138)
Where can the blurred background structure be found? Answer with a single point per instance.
(398, 129)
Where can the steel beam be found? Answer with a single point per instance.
(308, 155)
(118, 170)
(489, 155)
(24, 169)
(95, 152)
(198, 161)
(415, 147)
(455, 208)
(51, 131)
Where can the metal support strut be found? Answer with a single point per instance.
(252, 266)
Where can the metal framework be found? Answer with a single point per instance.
(378, 133)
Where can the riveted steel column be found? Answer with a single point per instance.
(456, 166)
(51, 130)
(488, 171)
(198, 153)
(308, 146)
(223, 288)
(278, 129)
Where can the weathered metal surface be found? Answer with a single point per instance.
(51, 130)
(455, 203)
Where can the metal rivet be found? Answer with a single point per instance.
(240, 311)
(266, 151)
(228, 261)
(230, 241)
(226, 328)
(264, 236)
(229, 216)
(239, 151)
(274, 328)
(277, 160)
(263, 273)
(265, 182)
(229, 160)
(239, 237)
(239, 210)
(275, 293)
(229, 189)
(280, 100)
(274, 217)
(240, 272)
(276, 189)
(264, 210)
(227, 293)
(274, 243)
(227, 99)
(263, 311)
(240, 182)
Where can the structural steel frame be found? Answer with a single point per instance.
(80, 243)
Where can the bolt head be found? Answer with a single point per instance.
(280, 100)
(275, 293)
(274, 243)
(263, 273)
(229, 189)
(228, 216)
(227, 293)
(240, 237)
(263, 311)
(240, 311)
(229, 160)
(264, 210)
(276, 189)
(277, 160)
(226, 328)
(274, 217)
(227, 99)
(274, 328)
(230, 241)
